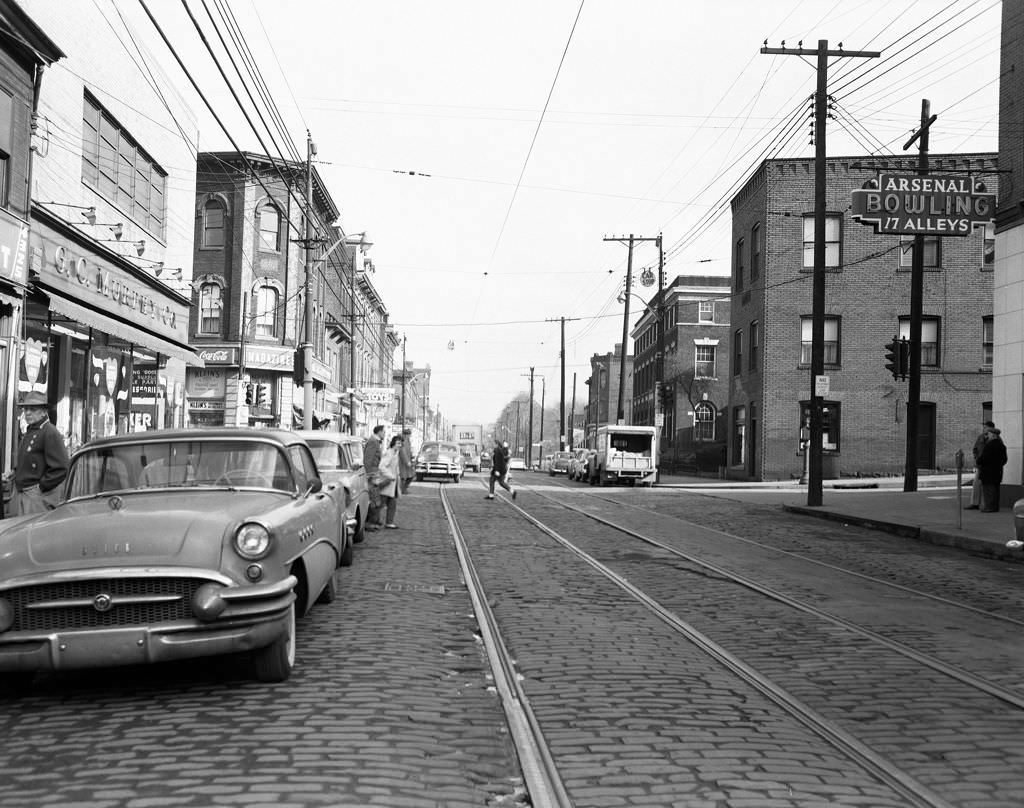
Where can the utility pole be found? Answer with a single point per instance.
(307, 330)
(630, 241)
(403, 381)
(561, 405)
(572, 413)
(818, 278)
(529, 443)
(543, 389)
(916, 309)
(661, 348)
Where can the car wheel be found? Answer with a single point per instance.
(347, 555)
(329, 593)
(275, 662)
(15, 683)
(360, 533)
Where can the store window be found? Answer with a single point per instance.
(120, 170)
(829, 423)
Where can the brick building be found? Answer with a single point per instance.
(603, 392)
(1008, 370)
(694, 392)
(867, 292)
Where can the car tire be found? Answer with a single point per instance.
(16, 683)
(348, 555)
(275, 662)
(360, 535)
(329, 593)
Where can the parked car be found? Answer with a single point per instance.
(578, 464)
(439, 459)
(516, 463)
(339, 459)
(545, 462)
(559, 463)
(170, 545)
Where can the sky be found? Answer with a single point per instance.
(493, 151)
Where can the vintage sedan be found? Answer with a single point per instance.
(339, 458)
(439, 459)
(559, 463)
(171, 545)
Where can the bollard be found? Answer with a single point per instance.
(959, 457)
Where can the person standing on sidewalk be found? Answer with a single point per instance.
(405, 465)
(979, 444)
(42, 462)
(371, 464)
(499, 469)
(990, 468)
(388, 472)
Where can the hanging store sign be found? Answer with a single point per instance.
(13, 247)
(923, 204)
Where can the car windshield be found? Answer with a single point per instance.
(171, 464)
(327, 454)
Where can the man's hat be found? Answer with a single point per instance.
(33, 399)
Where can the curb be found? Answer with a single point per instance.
(927, 535)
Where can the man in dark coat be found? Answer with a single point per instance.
(979, 444)
(371, 464)
(42, 461)
(990, 468)
(499, 469)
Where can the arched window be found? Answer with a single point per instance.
(266, 311)
(210, 304)
(270, 228)
(703, 422)
(213, 224)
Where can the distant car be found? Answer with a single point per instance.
(578, 464)
(171, 545)
(559, 463)
(545, 463)
(339, 458)
(439, 459)
(517, 463)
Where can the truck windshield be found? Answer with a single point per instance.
(635, 444)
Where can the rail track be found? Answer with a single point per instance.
(827, 659)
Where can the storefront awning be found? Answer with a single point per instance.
(129, 333)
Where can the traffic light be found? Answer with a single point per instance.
(263, 396)
(666, 397)
(249, 390)
(299, 366)
(897, 357)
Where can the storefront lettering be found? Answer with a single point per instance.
(111, 287)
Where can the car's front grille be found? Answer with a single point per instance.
(74, 605)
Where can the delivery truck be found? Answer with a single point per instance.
(470, 439)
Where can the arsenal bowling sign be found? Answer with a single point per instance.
(922, 204)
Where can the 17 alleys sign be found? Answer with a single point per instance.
(923, 204)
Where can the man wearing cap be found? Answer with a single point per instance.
(42, 462)
(990, 468)
(406, 469)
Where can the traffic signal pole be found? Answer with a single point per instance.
(916, 309)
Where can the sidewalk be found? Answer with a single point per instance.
(931, 514)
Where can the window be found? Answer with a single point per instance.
(737, 352)
(706, 311)
(270, 228)
(832, 353)
(832, 242)
(756, 248)
(209, 308)
(754, 338)
(213, 224)
(704, 366)
(118, 168)
(929, 339)
(266, 311)
(987, 341)
(703, 422)
(739, 264)
(6, 122)
(739, 435)
(988, 258)
(931, 251)
(829, 423)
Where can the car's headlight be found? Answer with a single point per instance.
(252, 540)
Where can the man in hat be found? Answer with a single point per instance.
(42, 462)
(979, 444)
(406, 469)
(990, 468)
(499, 468)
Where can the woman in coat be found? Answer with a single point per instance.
(990, 469)
(388, 474)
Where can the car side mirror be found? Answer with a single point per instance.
(315, 486)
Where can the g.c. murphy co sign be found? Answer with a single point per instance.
(923, 204)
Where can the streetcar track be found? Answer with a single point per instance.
(835, 568)
(885, 772)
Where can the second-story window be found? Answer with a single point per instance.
(739, 264)
(756, 248)
(929, 339)
(832, 241)
(704, 366)
(988, 255)
(213, 224)
(118, 168)
(270, 228)
(987, 341)
(932, 253)
(832, 345)
(266, 311)
(5, 145)
(754, 340)
(706, 312)
(209, 308)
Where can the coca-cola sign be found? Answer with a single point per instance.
(219, 356)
